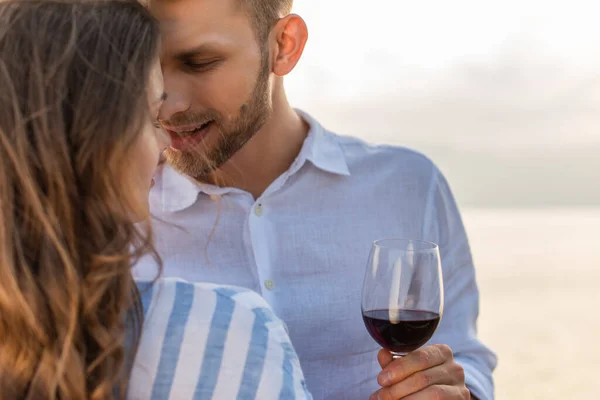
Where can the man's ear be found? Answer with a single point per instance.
(290, 35)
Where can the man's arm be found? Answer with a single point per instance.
(463, 362)
(458, 328)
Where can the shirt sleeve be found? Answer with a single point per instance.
(270, 350)
(458, 328)
(204, 342)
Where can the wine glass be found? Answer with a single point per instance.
(403, 294)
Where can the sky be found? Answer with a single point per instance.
(503, 95)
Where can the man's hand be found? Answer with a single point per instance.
(429, 373)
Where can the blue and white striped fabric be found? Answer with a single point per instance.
(203, 341)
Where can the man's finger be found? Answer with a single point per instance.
(384, 357)
(418, 382)
(419, 360)
(441, 392)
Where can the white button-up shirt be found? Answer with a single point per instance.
(304, 246)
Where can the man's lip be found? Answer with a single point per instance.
(184, 128)
(179, 142)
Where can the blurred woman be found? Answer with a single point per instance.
(80, 91)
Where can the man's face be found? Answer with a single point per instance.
(217, 78)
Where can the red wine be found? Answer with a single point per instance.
(401, 331)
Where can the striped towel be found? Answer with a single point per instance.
(203, 341)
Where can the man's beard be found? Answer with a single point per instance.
(234, 134)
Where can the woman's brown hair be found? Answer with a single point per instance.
(73, 101)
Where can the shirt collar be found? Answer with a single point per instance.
(175, 192)
(322, 148)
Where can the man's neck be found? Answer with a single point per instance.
(268, 154)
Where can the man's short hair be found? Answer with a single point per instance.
(265, 13)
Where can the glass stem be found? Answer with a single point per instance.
(396, 355)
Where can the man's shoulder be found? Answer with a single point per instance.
(359, 152)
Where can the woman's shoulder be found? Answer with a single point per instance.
(207, 341)
(176, 290)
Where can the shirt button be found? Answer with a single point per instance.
(258, 210)
(269, 284)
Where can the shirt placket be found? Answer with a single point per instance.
(262, 227)
(258, 226)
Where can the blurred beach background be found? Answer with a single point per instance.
(505, 97)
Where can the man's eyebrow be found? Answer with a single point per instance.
(203, 48)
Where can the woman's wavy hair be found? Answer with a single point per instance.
(73, 78)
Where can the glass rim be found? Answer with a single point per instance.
(425, 245)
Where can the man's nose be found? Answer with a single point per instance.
(178, 95)
(175, 103)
